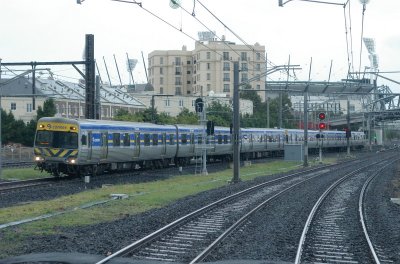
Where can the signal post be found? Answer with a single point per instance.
(320, 136)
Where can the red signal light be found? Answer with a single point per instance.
(322, 126)
(321, 116)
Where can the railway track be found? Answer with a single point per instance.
(192, 237)
(18, 185)
(335, 231)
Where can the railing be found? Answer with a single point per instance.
(11, 153)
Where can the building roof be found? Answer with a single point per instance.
(22, 87)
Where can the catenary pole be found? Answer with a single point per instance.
(236, 124)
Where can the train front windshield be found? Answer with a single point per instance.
(56, 139)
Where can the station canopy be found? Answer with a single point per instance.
(345, 87)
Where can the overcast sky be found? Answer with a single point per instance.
(49, 30)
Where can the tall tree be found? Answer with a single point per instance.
(49, 109)
(221, 114)
(187, 117)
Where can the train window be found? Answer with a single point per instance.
(147, 139)
(219, 139)
(184, 139)
(84, 140)
(199, 139)
(225, 139)
(127, 140)
(171, 139)
(116, 139)
(155, 139)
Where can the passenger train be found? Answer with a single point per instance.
(85, 147)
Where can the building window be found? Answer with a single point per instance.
(167, 102)
(178, 81)
(244, 67)
(208, 66)
(352, 108)
(243, 56)
(258, 87)
(161, 70)
(13, 106)
(181, 102)
(178, 71)
(178, 91)
(258, 56)
(258, 77)
(208, 55)
(208, 76)
(225, 55)
(161, 60)
(244, 77)
(227, 66)
(28, 108)
(161, 80)
(226, 88)
(208, 87)
(226, 77)
(258, 67)
(188, 62)
(161, 90)
(177, 61)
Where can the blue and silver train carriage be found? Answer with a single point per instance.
(74, 147)
(81, 147)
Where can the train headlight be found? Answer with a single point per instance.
(39, 158)
(71, 160)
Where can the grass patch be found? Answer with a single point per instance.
(143, 197)
(22, 174)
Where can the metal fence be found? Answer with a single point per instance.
(15, 154)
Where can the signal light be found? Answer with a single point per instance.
(199, 105)
(321, 116)
(322, 126)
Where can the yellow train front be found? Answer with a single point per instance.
(56, 145)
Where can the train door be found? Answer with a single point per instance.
(90, 143)
(278, 138)
(192, 145)
(136, 148)
(86, 146)
(251, 139)
(164, 144)
(104, 145)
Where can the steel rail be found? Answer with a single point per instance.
(317, 205)
(6, 186)
(233, 227)
(361, 212)
(156, 234)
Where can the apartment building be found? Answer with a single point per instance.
(207, 68)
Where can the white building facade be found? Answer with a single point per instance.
(207, 68)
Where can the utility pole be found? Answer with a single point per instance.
(305, 125)
(236, 124)
(204, 136)
(348, 126)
